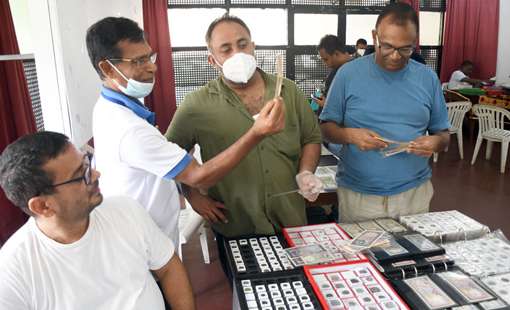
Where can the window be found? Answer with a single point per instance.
(188, 26)
(310, 28)
(273, 31)
(359, 26)
(292, 28)
(430, 28)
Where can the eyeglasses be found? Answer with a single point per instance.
(387, 49)
(140, 61)
(87, 175)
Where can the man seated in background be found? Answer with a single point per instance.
(460, 78)
(246, 201)
(78, 251)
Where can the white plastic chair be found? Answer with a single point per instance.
(491, 120)
(456, 112)
(189, 223)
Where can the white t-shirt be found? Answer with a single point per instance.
(108, 268)
(134, 159)
(455, 81)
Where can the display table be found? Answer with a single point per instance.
(429, 261)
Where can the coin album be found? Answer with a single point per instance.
(404, 247)
(481, 257)
(446, 226)
(500, 285)
(446, 289)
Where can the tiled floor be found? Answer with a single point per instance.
(479, 191)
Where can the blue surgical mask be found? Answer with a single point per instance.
(134, 88)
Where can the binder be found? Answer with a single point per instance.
(446, 287)
(482, 257)
(406, 247)
(445, 226)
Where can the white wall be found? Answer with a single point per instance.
(19, 12)
(68, 84)
(503, 66)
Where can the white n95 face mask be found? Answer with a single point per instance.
(361, 51)
(239, 68)
(134, 88)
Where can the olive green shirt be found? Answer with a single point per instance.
(214, 117)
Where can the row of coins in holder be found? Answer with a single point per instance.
(285, 295)
(270, 247)
(481, 257)
(445, 226)
(353, 292)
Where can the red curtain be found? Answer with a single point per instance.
(16, 116)
(162, 99)
(471, 33)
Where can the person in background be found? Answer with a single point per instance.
(460, 78)
(135, 158)
(361, 47)
(384, 96)
(333, 54)
(78, 250)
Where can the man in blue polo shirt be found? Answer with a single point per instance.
(390, 96)
(134, 157)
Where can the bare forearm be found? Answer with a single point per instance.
(334, 133)
(212, 171)
(444, 140)
(310, 157)
(176, 286)
(474, 82)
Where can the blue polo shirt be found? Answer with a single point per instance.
(400, 106)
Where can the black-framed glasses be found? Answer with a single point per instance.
(140, 61)
(387, 49)
(87, 174)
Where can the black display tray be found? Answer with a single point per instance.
(248, 256)
(288, 290)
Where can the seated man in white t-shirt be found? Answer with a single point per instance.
(460, 78)
(72, 255)
(133, 156)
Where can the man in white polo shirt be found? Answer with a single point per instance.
(78, 251)
(461, 78)
(134, 157)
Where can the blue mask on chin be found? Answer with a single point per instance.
(134, 88)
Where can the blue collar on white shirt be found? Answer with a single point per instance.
(132, 104)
